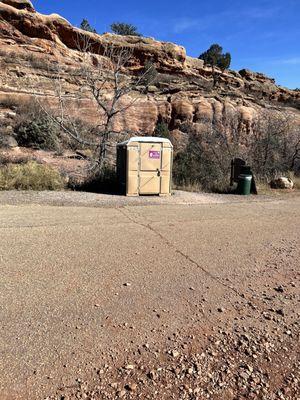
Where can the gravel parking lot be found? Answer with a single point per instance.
(189, 297)
(85, 199)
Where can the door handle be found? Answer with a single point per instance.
(158, 172)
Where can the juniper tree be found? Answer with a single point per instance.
(215, 57)
(121, 28)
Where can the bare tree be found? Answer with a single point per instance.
(225, 138)
(105, 80)
(272, 142)
(295, 158)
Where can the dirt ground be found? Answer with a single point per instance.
(188, 298)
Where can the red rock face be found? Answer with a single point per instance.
(20, 4)
(33, 46)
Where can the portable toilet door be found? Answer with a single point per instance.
(148, 163)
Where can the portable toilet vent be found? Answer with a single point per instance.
(144, 166)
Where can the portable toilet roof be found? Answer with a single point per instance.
(145, 139)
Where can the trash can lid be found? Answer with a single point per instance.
(246, 177)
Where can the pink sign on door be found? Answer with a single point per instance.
(154, 154)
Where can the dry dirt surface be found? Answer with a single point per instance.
(165, 301)
(87, 199)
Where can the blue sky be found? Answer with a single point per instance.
(262, 35)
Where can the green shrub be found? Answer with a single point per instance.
(104, 181)
(195, 167)
(162, 130)
(30, 176)
(39, 133)
(121, 28)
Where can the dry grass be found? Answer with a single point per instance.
(188, 187)
(30, 176)
(8, 158)
(216, 187)
(295, 179)
(263, 184)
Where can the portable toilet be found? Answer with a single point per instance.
(144, 166)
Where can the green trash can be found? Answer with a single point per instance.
(244, 184)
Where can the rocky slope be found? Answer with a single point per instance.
(33, 45)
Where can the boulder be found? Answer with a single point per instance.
(282, 183)
(8, 141)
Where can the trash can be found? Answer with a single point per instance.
(244, 184)
(144, 166)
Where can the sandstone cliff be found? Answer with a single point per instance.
(32, 44)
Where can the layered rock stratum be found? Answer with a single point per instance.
(32, 45)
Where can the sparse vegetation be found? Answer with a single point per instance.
(8, 102)
(121, 28)
(6, 159)
(196, 167)
(149, 73)
(295, 178)
(271, 150)
(104, 181)
(39, 133)
(30, 176)
(42, 64)
(162, 130)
